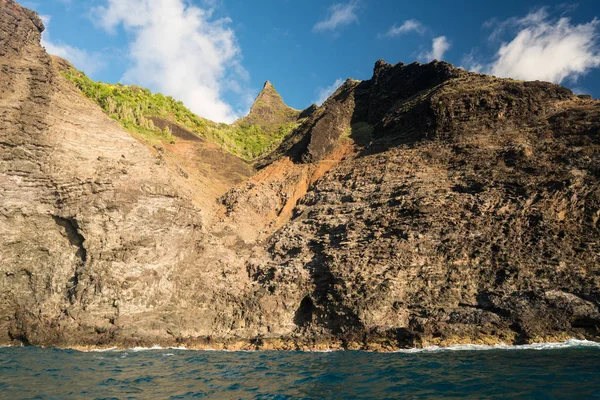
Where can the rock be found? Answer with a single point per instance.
(470, 215)
(89, 253)
(309, 111)
(269, 112)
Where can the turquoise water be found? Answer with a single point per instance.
(543, 372)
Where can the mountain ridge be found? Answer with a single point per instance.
(137, 109)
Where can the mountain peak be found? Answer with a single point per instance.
(269, 110)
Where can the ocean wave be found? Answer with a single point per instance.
(174, 374)
(100, 350)
(133, 349)
(571, 343)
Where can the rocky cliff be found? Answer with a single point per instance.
(427, 205)
(96, 228)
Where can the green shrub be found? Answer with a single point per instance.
(132, 106)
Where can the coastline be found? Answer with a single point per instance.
(279, 346)
(570, 343)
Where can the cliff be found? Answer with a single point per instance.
(427, 205)
(96, 228)
(460, 208)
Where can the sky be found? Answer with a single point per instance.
(215, 55)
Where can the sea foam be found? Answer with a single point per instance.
(571, 343)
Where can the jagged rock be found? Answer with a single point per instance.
(309, 111)
(269, 111)
(471, 214)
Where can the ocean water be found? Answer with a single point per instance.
(570, 370)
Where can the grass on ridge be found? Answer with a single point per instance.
(132, 105)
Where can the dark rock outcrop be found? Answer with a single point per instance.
(470, 213)
(98, 232)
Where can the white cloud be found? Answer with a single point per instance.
(324, 93)
(439, 47)
(179, 49)
(548, 49)
(498, 28)
(411, 25)
(83, 60)
(339, 15)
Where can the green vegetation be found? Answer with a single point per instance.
(248, 141)
(132, 106)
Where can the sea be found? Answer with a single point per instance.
(569, 370)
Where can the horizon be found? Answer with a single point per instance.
(215, 55)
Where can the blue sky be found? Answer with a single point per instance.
(216, 54)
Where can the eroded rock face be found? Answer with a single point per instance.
(97, 233)
(427, 205)
(471, 216)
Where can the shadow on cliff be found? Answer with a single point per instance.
(393, 108)
(325, 306)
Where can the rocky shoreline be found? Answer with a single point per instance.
(374, 342)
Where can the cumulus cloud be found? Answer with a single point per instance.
(180, 50)
(88, 62)
(439, 47)
(411, 25)
(547, 49)
(339, 15)
(324, 93)
(499, 28)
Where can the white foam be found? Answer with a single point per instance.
(571, 343)
(322, 351)
(136, 349)
(133, 349)
(100, 350)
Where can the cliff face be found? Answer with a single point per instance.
(427, 205)
(467, 212)
(97, 231)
